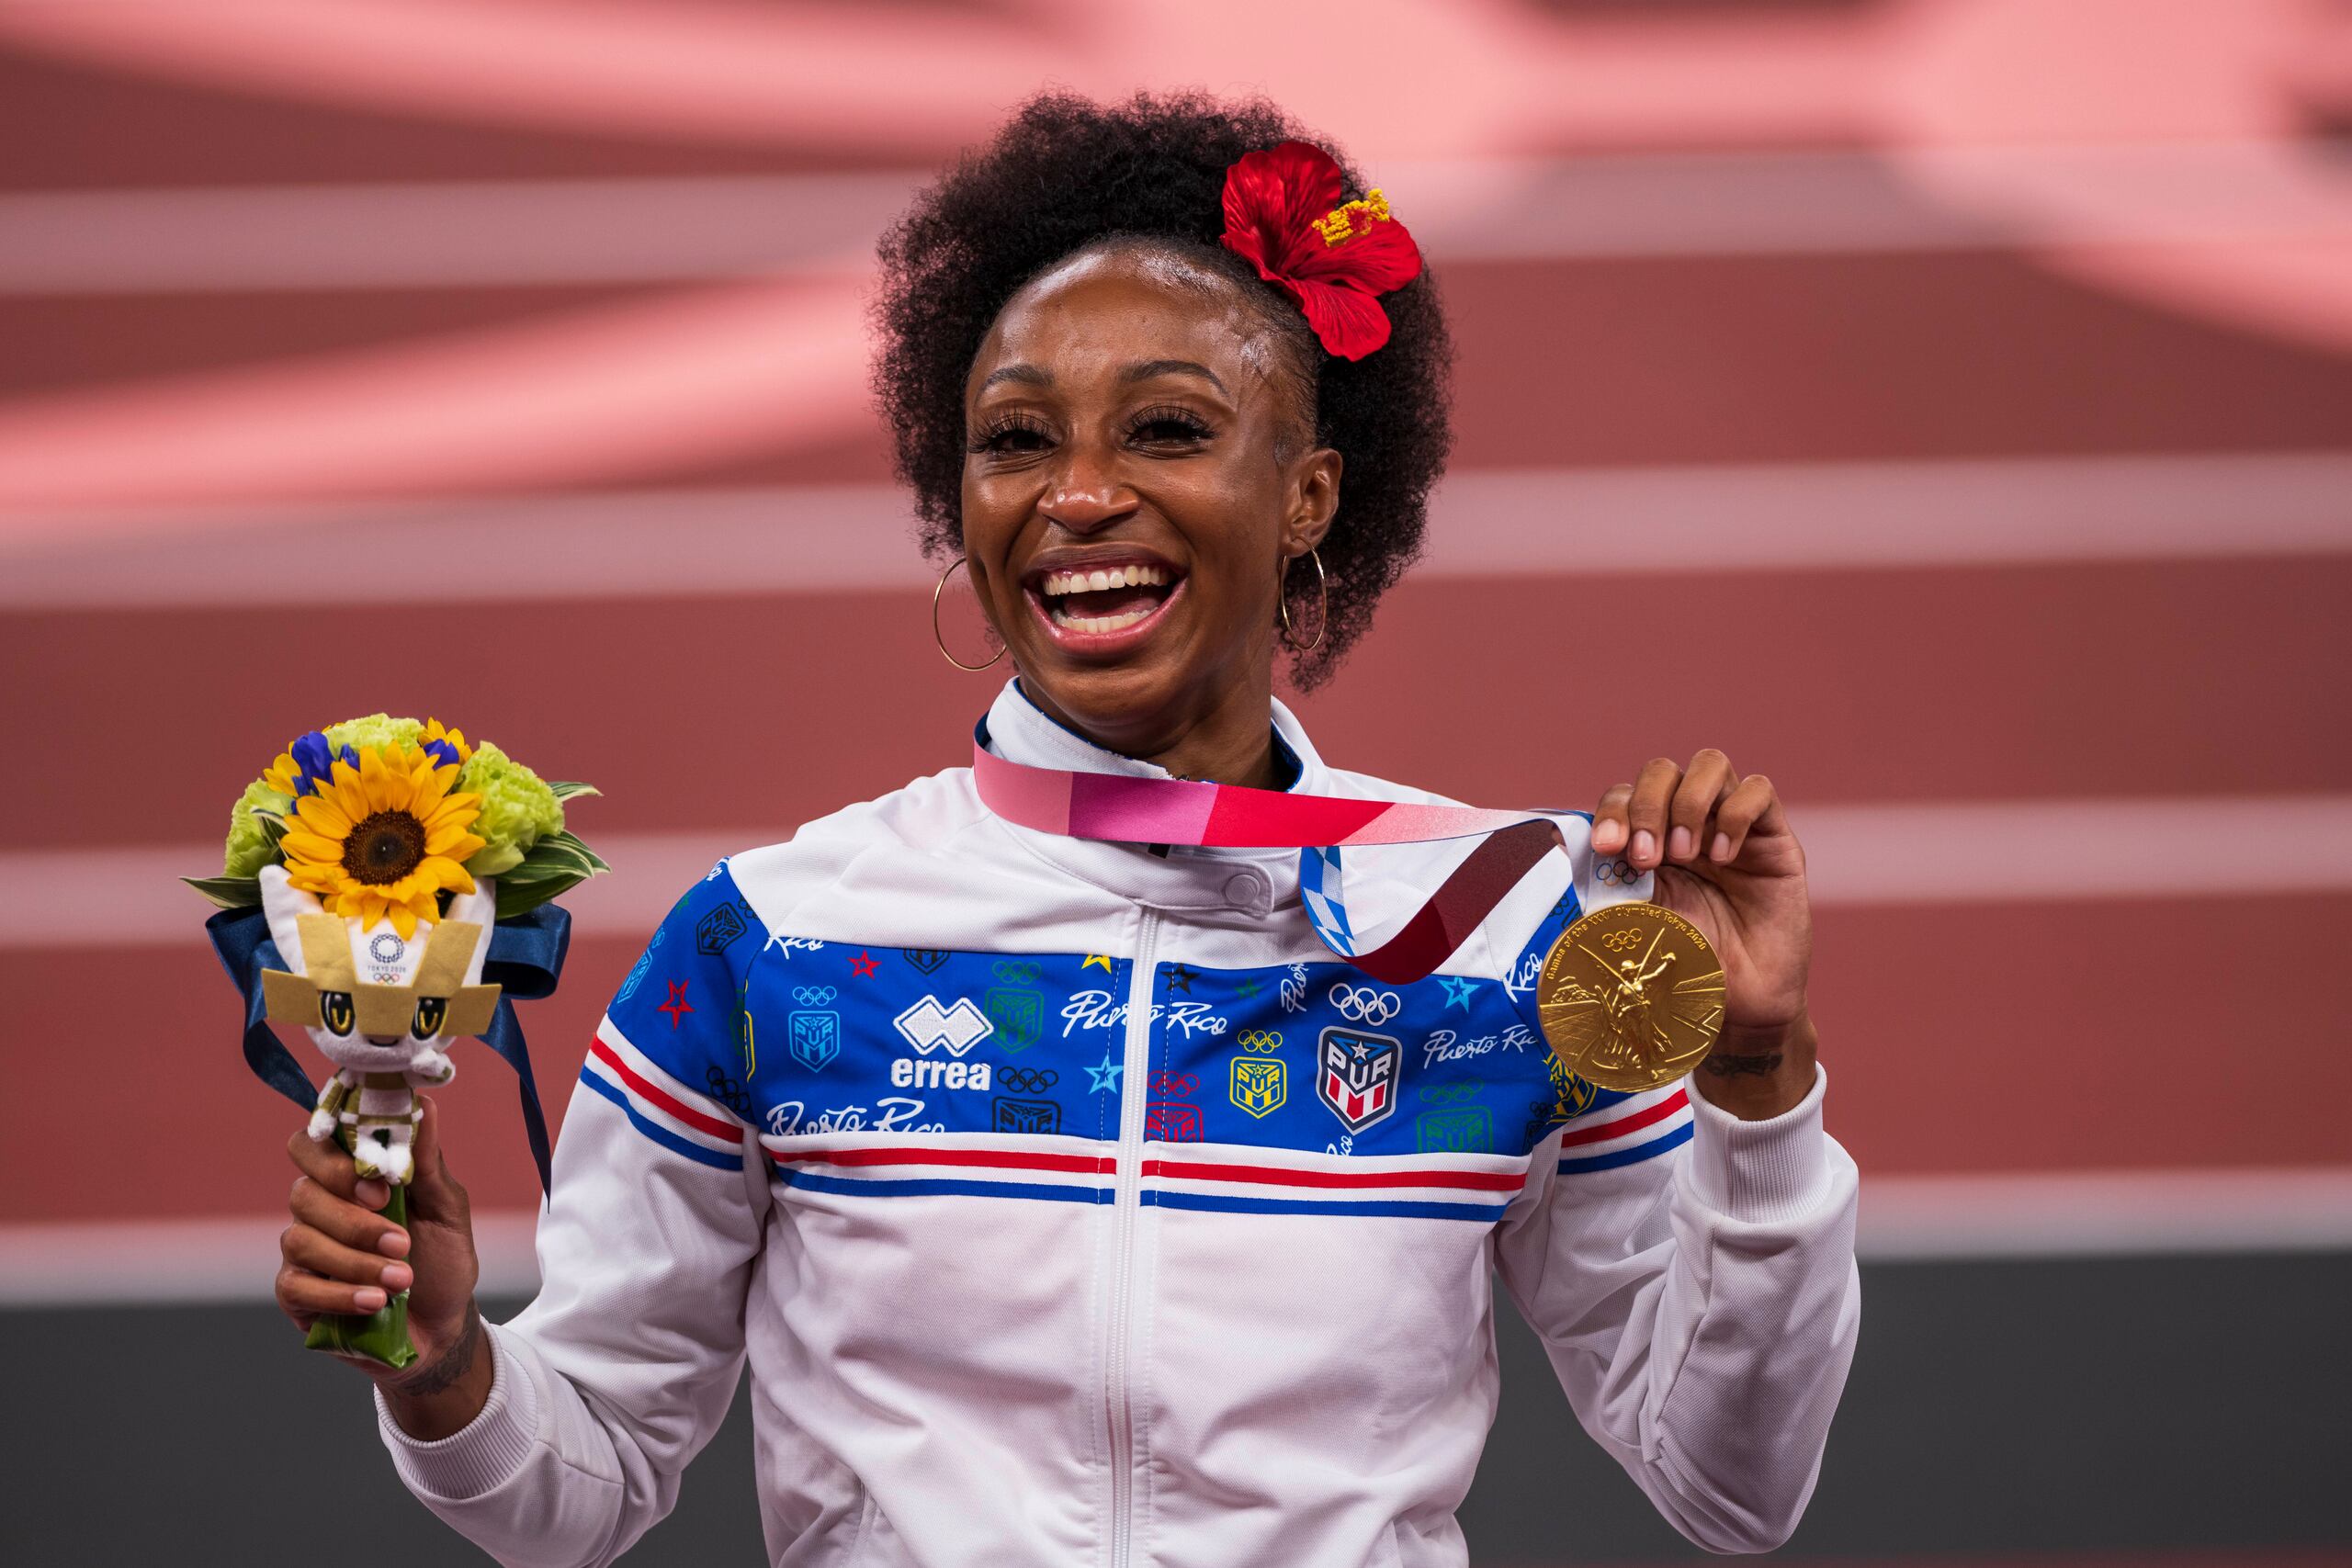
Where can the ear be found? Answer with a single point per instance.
(480, 908)
(284, 905)
(1314, 503)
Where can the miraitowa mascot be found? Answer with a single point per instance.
(380, 1007)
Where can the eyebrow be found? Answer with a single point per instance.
(1030, 376)
(1150, 367)
(1027, 373)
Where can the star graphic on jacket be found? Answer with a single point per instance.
(1246, 989)
(1457, 991)
(1105, 1076)
(1179, 979)
(677, 1005)
(861, 965)
(1095, 958)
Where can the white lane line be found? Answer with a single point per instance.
(2076, 1213)
(1997, 851)
(162, 1262)
(1484, 523)
(1904, 1219)
(524, 232)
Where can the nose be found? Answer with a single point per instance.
(1085, 497)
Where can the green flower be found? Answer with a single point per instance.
(250, 845)
(517, 809)
(376, 729)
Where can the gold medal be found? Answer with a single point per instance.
(1631, 997)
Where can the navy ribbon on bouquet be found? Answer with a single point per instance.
(525, 961)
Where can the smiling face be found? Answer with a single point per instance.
(1138, 473)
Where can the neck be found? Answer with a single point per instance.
(1231, 740)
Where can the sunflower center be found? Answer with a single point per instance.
(384, 848)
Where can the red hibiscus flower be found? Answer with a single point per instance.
(1283, 212)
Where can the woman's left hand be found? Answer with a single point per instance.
(1726, 862)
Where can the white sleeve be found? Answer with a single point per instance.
(617, 1375)
(619, 1371)
(1700, 1307)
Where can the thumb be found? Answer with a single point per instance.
(432, 1191)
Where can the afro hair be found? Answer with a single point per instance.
(1066, 173)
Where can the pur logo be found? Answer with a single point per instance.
(927, 1026)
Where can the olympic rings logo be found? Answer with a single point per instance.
(1362, 1004)
(1014, 972)
(1021, 1080)
(1261, 1039)
(814, 996)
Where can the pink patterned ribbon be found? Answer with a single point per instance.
(1128, 809)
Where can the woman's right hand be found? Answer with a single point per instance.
(340, 1256)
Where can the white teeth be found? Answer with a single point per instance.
(1061, 582)
(1097, 623)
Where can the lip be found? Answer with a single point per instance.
(1098, 645)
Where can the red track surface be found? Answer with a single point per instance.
(2199, 1030)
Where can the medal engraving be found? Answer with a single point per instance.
(1631, 997)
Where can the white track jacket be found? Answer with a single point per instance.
(1072, 1205)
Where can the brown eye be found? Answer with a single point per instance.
(334, 1012)
(429, 1013)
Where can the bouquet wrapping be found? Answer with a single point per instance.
(387, 888)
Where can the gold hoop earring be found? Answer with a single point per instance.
(935, 636)
(1323, 593)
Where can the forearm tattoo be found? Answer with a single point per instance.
(1761, 1064)
(438, 1375)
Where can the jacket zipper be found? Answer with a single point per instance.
(1127, 1202)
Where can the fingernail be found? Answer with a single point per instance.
(396, 1277)
(1721, 848)
(1677, 843)
(375, 1194)
(392, 1244)
(1604, 835)
(1645, 845)
(367, 1298)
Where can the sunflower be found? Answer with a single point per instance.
(384, 838)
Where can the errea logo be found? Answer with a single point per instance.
(927, 1026)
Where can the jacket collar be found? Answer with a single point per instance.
(1246, 881)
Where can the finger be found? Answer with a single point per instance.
(1753, 805)
(1645, 814)
(1609, 819)
(317, 1253)
(300, 1293)
(329, 1164)
(1706, 781)
(346, 1222)
(432, 1191)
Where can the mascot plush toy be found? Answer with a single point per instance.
(380, 1007)
(374, 874)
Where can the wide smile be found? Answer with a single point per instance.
(1102, 606)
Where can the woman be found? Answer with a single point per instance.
(1071, 1200)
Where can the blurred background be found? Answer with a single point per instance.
(1948, 404)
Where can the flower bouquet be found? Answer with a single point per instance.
(387, 888)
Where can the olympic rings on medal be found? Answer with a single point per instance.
(1362, 1004)
(813, 995)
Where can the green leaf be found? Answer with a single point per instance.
(228, 892)
(520, 897)
(564, 789)
(272, 824)
(559, 852)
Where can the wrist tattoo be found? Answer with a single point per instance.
(1760, 1065)
(436, 1376)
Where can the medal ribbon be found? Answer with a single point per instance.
(1128, 809)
